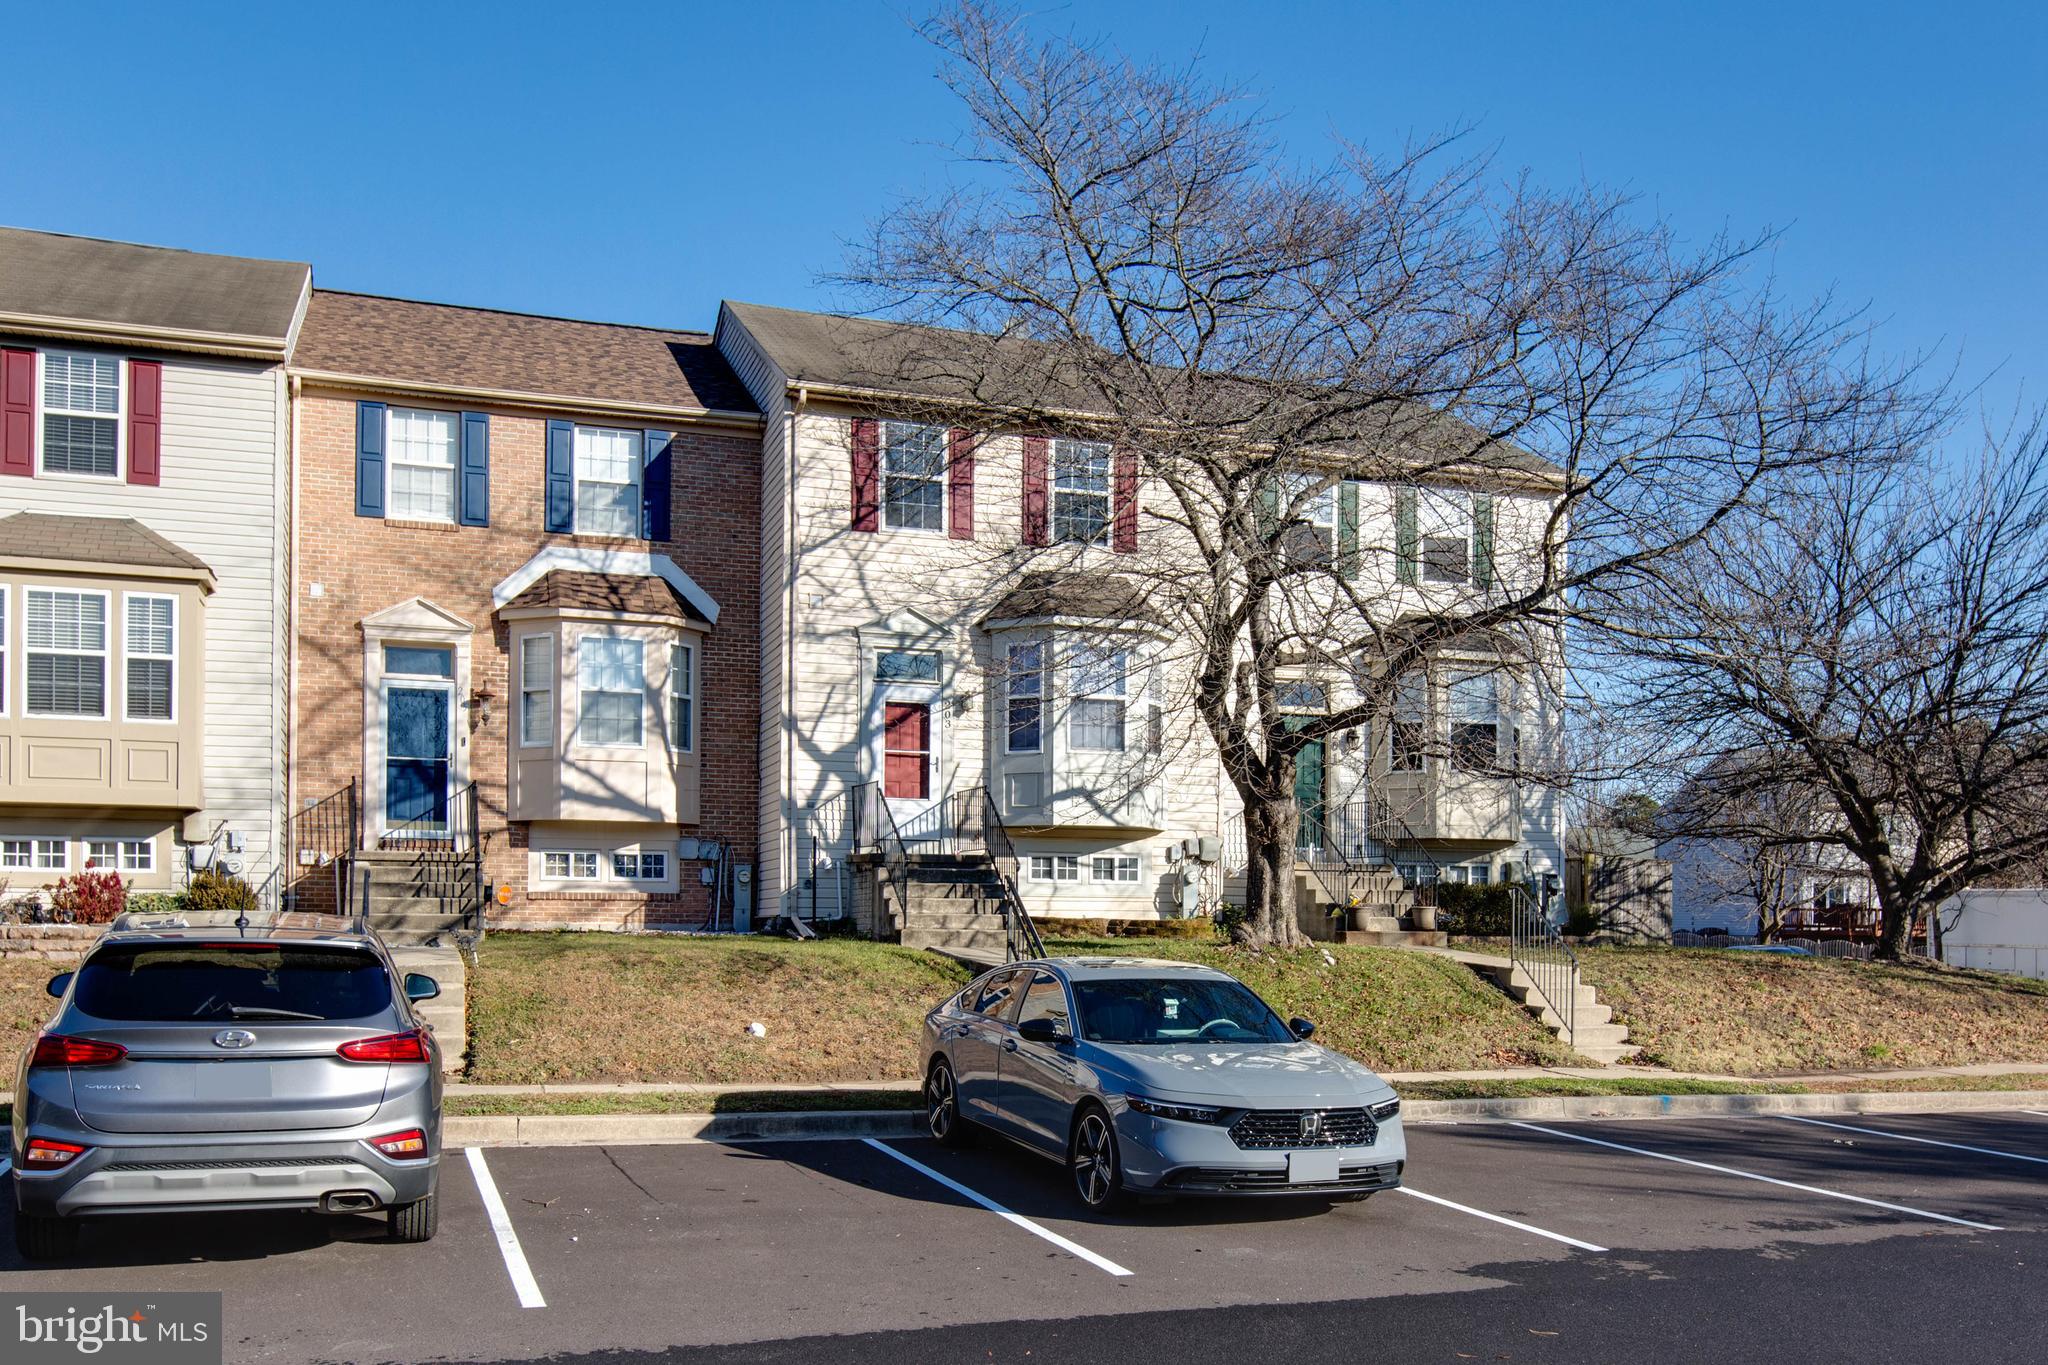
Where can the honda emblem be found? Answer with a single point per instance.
(1311, 1127)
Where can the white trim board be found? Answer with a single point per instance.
(591, 559)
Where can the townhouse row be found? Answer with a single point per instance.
(650, 626)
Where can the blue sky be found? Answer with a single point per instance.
(639, 162)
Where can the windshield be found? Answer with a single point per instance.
(212, 981)
(1179, 1010)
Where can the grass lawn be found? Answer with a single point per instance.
(626, 1007)
(1759, 1014)
(686, 1102)
(1393, 1009)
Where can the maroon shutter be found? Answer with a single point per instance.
(1123, 503)
(145, 421)
(867, 474)
(1035, 478)
(960, 482)
(18, 413)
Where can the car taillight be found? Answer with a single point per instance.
(54, 1049)
(411, 1142)
(44, 1153)
(410, 1046)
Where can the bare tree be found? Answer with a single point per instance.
(1128, 254)
(1873, 644)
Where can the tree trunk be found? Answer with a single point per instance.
(1895, 936)
(1269, 828)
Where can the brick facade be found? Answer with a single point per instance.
(359, 566)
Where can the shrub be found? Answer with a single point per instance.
(1582, 921)
(1484, 911)
(1228, 917)
(213, 889)
(89, 897)
(155, 902)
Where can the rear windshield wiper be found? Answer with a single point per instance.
(266, 1012)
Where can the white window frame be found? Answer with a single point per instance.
(584, 693)
(1077, 483)
(1442, 514)
(527, 739)
(638, 464)
(1480, 679)
(1317, 512)
(1410, 709)
(1026, 686)
(392, 463)
(647, 865)
(1082, 660)
(43, 411)
(891, 430)
(105, 653)
(1059, 868)
(130, 654)
(682, 696)
(37, 844)
(1120, 863)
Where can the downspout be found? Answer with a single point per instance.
(791, 412)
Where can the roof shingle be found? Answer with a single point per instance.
(646, 596)
(88, 279)
(92, 540)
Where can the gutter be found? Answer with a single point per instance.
(237, 344)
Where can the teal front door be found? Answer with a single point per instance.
(1308, 796)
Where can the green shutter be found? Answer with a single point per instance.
(1407, 559)
(1267, 507)
(1347, 529)
(1482, 540)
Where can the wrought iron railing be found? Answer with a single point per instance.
(319, 842)
(978, 826)
(1544, 959)
(876, 829)
(454, 834)
(448, 826)
(827, 836)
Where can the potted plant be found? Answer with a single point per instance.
(1423, 912)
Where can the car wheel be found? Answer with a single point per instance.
(1092, 1160)
(942, 1107)
(412, 1222)
(41, 1237)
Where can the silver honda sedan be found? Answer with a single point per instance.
(204, 1063)
(1156, 1078)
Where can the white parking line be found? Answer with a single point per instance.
(6, 1165)
(1073, 1248)
(1907, 1137)
(1496, 1218)
(523, 1282)
(1766, 1179)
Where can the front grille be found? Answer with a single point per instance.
(1231, 1178)
(1265, 1130)
(265, 1162)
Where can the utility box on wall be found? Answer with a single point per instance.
(743, 898)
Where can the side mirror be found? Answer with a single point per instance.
(1041, 1031)
(1303, 1029)
(420, 986)
(60, 983)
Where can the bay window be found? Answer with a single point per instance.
(682, 697)
(1474, 721)
(1080, 492)
(422, 450)
(1409, 730)
(1024, 684)
(612, 686)
(913, 476)
(81, 414)
(608, 474)
(536, 690)
(1097, 681)
(152, 655)
(67, 653)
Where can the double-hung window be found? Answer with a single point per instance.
(1312, 538)
(913, 476)
(81, 414)
(1097, 680)
(1475, 721)
(536, 691)
(422, 465)
(128, 855)
(152, 655)
(608, 473)
(1024, 683)
(682, 697)
(1444, 528)
(67, 653)
(1410, 727)
(1080, 492)
(611, 680)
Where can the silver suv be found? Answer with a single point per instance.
(208, 1062)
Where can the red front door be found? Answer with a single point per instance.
(907, 750)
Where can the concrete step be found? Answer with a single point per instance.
(978, 941)
(1607, 1055)
(950, 923)
(1395, 938)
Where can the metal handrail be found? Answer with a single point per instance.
(451, 829)
(324, 837)
(976, 815)
(1539, 952)
(878, 829)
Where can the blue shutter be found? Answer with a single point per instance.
(654, 486)
(476, 469)
(561, 476)
(369, 459)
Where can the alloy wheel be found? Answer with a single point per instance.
(1094, 1161)
(941, 1105)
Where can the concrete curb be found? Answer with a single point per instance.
(576, 1130)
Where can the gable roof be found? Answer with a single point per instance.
(54, 284)
(54, 537)
(640, 594)
(404, 342)
(1081, 596)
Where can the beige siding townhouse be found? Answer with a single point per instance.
(143, 507)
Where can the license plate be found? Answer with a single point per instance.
(1311, 1168)
(233, 1081)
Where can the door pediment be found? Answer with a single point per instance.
(416, 616)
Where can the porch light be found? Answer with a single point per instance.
(480, 700)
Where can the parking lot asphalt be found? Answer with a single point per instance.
(1880, 1237)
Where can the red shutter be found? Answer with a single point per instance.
(18, 413)
(1036, 476)
(1123, 503)
(960, 482)
(867, 475)
(145, 421)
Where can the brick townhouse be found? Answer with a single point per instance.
(524, 593)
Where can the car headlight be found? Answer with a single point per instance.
(1186, 1113)
(1385, 1110)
